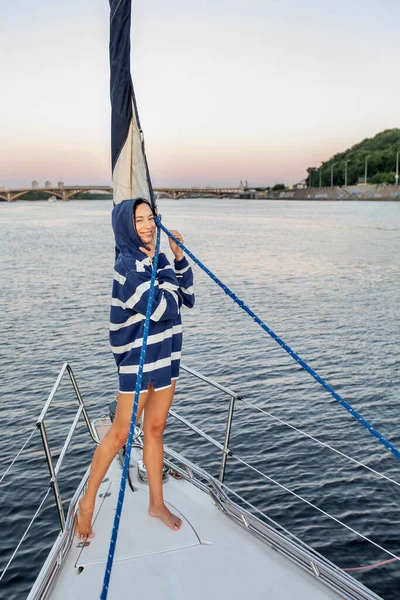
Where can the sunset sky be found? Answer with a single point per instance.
(227, 90)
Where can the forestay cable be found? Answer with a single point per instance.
(287, 348)
(117, 518)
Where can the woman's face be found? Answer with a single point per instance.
(144, 223)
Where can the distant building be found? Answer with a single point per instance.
(35, 185)
(60, 184)
(48, 184)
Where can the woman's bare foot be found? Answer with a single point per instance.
(83, 527)
(166, 515)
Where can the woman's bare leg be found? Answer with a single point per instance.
(155, 418)
(104, 454)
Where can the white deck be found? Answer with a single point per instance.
(209, 557)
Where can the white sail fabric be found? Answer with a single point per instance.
(130, 172)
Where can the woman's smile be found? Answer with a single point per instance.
(146, 235)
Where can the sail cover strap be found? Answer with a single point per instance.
(130, 173)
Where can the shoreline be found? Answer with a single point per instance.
(369, 192)
(242, 199)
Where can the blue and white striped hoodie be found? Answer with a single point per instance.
(130, 293)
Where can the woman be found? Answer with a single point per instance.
(134, 230)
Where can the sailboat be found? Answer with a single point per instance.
(226, 548)
(221, 551)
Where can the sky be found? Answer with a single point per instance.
(227, 90)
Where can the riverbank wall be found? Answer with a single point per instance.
(351, 192)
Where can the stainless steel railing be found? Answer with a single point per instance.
(66, 525)
(54, 470)
(276, 537)
(299, 553)
(233, 396)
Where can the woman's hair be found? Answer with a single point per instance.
(138, 202)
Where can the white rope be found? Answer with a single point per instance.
(19, 453)
(360, 464)
(314, 506)
(25, 534)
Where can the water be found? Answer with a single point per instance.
(322, 275)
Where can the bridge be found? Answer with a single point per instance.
(177, 193)
(68, 192)
(64, 193)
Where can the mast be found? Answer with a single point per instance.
(130, 172)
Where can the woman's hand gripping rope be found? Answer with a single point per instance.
(177, 251)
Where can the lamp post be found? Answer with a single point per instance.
(345, 171)
(333, 164)
(397, 167)
(366, 169)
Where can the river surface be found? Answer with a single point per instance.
(325, 276)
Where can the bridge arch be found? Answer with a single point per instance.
(161, 195)
(48, 192)
(85, 189)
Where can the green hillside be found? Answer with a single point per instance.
(381, 151)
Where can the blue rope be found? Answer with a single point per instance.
(114, 534)
(287, 348)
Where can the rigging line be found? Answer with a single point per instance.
(287, 348)
(370, 567)
(354, 460)
(19, 453)
(316, 507)
(121, 494)
(25, 534)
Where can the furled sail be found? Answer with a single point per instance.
(130, 173)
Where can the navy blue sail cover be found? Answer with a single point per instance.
(131, 176)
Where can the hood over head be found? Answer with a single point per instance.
(127, 240)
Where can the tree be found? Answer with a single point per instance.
(381, 152)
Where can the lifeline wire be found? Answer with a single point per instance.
(25, 533)
(324, 444)
(287, 348)
(299, 541)
(117, 518)
(18, 454)
(283, 487)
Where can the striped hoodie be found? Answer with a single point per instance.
(130, 293)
